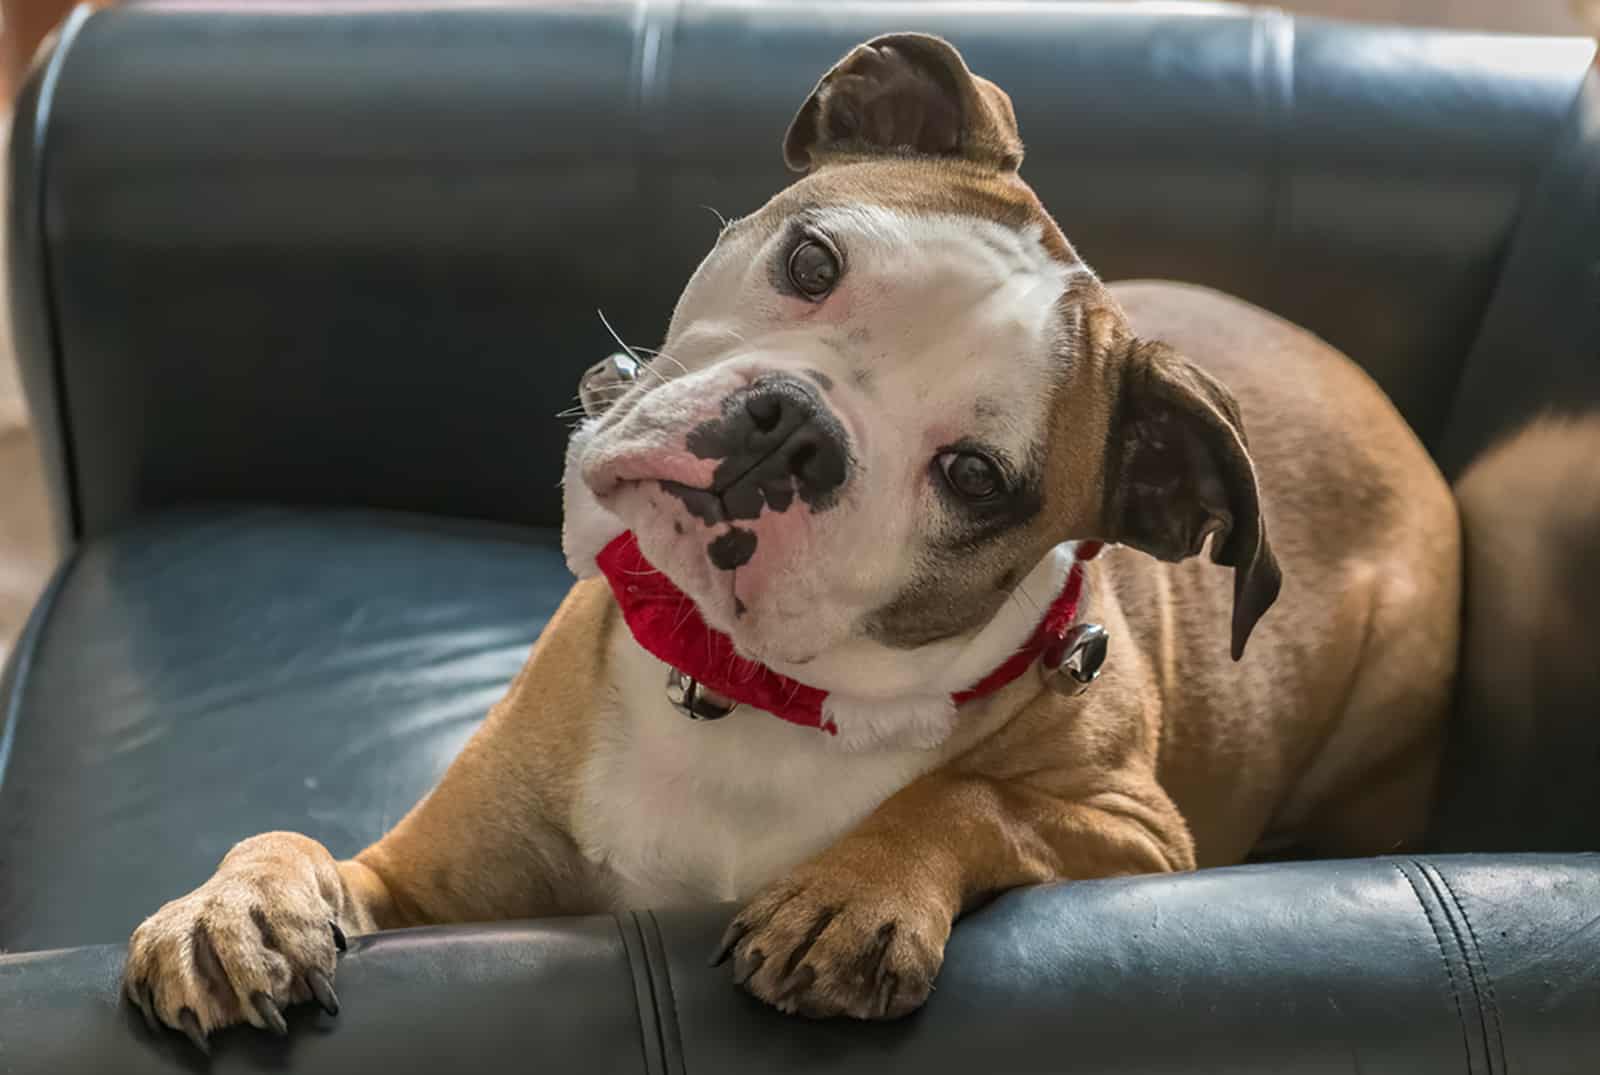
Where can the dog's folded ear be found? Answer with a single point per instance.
(1179, 470)
(904, 93)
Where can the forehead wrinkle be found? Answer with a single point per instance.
(921, 185)
(1007, 252)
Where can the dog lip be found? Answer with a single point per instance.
(613, 485)
(609, 471)
(704, 504)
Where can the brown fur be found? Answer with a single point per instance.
(1523, 764)
(1179, 757)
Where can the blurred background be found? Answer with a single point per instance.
(26, 551)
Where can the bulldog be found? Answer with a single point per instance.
(849, 517)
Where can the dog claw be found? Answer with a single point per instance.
(745, 967)
(322, 989)
(143, 998)
(798, 983)
(268, 1010)
(339, 940)
(190, 1025)
(886, 992)
(730, 940)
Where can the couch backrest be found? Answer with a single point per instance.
(354, 254)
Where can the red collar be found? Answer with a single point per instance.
(667, 624)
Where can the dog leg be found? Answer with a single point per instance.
(861, 929)
(488, 843)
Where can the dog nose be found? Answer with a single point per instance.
(779, 442)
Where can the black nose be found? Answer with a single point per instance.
(775, 441)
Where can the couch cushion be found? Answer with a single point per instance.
(209, 675)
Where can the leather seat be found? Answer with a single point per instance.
(298, 293)
(209, 674)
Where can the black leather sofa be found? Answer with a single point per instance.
(298, 291)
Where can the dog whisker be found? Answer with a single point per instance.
(654, 354)
(686, 607)
(620, 343)
(1030, 598)
(663, 355)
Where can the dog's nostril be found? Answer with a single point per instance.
(818, 464)
(802, 457)
(765, 410)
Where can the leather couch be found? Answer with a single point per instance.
(298, 291)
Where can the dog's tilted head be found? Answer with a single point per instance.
(889, 393)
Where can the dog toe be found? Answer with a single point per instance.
(863, 956)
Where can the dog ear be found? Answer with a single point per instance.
(1179, 470)
(904, 93)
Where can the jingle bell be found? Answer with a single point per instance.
(695, 702)
(1073, 661)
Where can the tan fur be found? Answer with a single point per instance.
(1178, 757)
(1353, 667)
(1531, 511)
(1522, 756)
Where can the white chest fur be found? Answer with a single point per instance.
(684, 812)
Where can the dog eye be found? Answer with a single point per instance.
(973, 476)
(813, 269)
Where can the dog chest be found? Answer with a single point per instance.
(686, 812)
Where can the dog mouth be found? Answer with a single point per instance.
(707, 505)
(732, 545)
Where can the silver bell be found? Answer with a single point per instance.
(1074, 662)
(694, 701)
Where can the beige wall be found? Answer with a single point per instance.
(1522, 16)
(25, 550)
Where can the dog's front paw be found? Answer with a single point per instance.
(821, 944)
(238, 949)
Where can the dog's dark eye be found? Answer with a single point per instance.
(971, 475)
(813, 269)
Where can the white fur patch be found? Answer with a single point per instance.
(687, 812)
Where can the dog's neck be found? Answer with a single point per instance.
(892, 699)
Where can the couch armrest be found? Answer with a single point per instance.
(1411, 966)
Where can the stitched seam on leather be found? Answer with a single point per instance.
(667, 1005)
(1466, 958)
(1444, 957)
(643, 993)
(663, 1064)
(1435, 874)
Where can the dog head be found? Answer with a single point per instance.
(888, 394)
